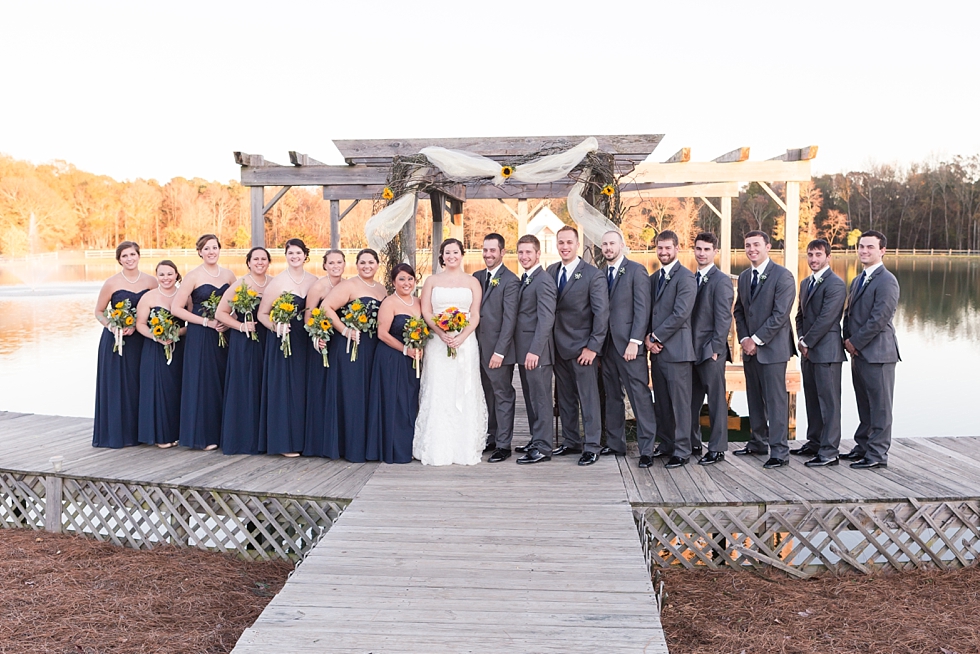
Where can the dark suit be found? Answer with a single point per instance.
(711, 323)
(672, 303)
(629, 317)
(868, 325)
(766, 314)
(533, 334)
(818, 329)
(581, 320)
(495, 333)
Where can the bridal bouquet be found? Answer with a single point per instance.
(208, 309)
(120, 317)
(283, 310)
(452, 320)
(319, 328)
(362, 316)
(244, 303)
(414, 335)
(165, 329)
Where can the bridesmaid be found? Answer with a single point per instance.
(117, 386)
(394, 398)
(321, 408)
(159, 413)
(203, 386)
(353, 378)
(282, 420)
(243, 380)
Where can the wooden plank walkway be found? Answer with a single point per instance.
(489, 558)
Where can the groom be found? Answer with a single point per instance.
(495, 334)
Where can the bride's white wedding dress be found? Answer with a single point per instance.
(452, 423)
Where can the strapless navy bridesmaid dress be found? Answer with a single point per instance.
(117, 385)
(353, 383)
(394, 400)
(243, 392)
(321, 408)
(282, 421)
(159, 414)
(202, 394)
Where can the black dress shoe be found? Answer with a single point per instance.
(697, 450)
(588, 458)
(866, 463)
(534, 455)
(564, 449)
(659, 452)
(608, 451)
(745, 451)
(491, 446)
(675, 462)
(775, 463)
(853, 455)
(499, 455)
(523, 449)
(710, 458)
(646, 461)
(806, 450)
(820, 461)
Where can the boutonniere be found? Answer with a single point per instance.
(666, 277)
(577, 275)
(494, 281)
(867, 280)
(527, 281)
(819, 281)
(622, 271)
(763, 277)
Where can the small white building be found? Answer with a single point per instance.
(545, 226)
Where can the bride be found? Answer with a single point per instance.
(452, 422)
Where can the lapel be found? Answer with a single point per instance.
(571, 278)
(662, 287)
(619, 273)
(490, 287)
(530, 279)
(859, 291)
(805, 293)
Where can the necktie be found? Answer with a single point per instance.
(486, 282)
(562, 280)
(864, 278)
(699, 278)
(813, 284)
(524, 278)
(660, 280)
(755, 281)
(610, 277)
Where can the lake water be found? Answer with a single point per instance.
(49, 338)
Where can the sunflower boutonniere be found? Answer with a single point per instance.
(494, 281)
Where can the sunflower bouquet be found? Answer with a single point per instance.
(208, 309)
(414, 336)
(244, 303)
(284, 309)
(319, 328)
(362, 316)
(452, 320)
(165, 329)
(120, 317)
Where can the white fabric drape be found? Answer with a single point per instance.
(593, 223)
(460, 166)
(385, 225)
(554, 166)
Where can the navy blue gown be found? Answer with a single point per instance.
(353, 382)
(394, 400)
(117, 385)
(202, 394)
(159, 413)
(282, 421)
(243, 392)
(321, 409)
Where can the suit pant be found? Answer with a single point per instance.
(634, 376)
(821, 389)
(578, 386)
(874, 389)
(536, 386)
(709, 379)
(498, 388)
(765, 388)
(672, 388)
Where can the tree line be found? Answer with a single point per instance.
(55, 206)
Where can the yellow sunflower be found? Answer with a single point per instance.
(356, 306)
(158, 330)
(315, 312)
(506, 171)
(310, 322)
(609, 190)
(129, 320)
(362, 319)
(154, 320)
(252, 293)
(387, 194)
(324, 325)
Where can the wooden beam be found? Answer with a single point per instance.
(772, 194)
(798, 154)
(791, 244)
(275, 175)
(347, 210)
(408, 234)
(712, 207)
(717, 190)
(726, 235)
(437, 203)
(275, 198)
(256, 204)
(735, 156)
(681, 156)
(507, 207)
(700, 172)
(334, 224)
(299, 159)
(245, 159)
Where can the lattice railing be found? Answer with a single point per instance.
(145, 515)
(804, 538)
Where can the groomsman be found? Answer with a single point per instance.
(818, 319)
(869, 337)
(536, 298)
(495, 335)
(671, 346)
(581, 322)
(763, 310)
(624, 363)
(711, 323)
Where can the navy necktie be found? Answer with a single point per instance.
(699, 278)
(486, 283)
(813, 284)
(864, 278)
(611, 277)
(755, 281)
(660, 280)
(524, 278)
(562, 280)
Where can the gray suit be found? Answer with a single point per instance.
(766, 314)
(868, 325)
(581, 320)
(533, 333)
(672, 303)
(711, 323)
(818, 328)
(629, 316)
(495, 333)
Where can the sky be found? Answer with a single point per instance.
(158, 90)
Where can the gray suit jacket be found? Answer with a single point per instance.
(582, 314)
(818, 318)
(629, 305)
(767, 315)
(869, 315)
(535, 317)
(498, 315)
(712, 317)
(670, 317)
